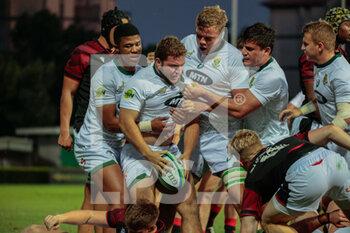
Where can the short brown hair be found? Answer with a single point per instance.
(212, 16)
(170, 46)
(141, 215)
(321, 31)
(246, 142)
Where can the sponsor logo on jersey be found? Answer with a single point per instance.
(175, 101)
(200, 66)
(101, 91)
(216, 62)
(129, 94)
(251, 82)
(325, 80)
(199, 77)
(269, 153)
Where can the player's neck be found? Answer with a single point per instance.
(104, 43)
(124, 66)
(325, 57)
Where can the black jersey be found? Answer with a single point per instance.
(267, 172)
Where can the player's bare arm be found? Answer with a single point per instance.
(242, 103)
(70, 87)
(133, 134)
(76, 217)
(330, 133)
(190, 138)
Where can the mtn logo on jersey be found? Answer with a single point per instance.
(175, 101)
(199, 77)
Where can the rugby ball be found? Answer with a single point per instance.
(175, 178)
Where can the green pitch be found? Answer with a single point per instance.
(23, 205)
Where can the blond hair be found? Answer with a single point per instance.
(321, 31)
(212, 16)
(169, 46)
(246, 142)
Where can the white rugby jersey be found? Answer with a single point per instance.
(270, 87)
(332, 86)
(107, 86)
(151, 95)
(220, 72)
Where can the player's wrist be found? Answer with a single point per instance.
(145, 126)
(324, 219)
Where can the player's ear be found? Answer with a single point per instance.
(158, 61)
(153, 229)
(268, 50)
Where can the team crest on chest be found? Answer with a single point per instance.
(121, 87)
(216, 62)
(251, 82)
(162, 91)
(325, 80)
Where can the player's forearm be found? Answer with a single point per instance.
(310, 224)
(66, 107)
(133, 135)
(190, 137)
(75, 217)
(339, 137)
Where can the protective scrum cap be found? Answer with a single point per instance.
(110, 19)
(337, 16)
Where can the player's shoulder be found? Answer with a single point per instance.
(89, 47)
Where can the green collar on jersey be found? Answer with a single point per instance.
(330, 60)
(120, 68)
(266, 64)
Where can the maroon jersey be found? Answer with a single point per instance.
(268, 169)
(81, 66)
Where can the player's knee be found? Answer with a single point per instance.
(188, 208)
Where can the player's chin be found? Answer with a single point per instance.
(247, 62)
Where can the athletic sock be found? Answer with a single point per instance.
(214, 211)
(230, 225)
(177, 226)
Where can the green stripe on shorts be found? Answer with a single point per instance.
(103, 165)
(137, 179)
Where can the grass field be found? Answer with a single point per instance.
(23, 205)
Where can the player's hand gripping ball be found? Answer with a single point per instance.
(175, 178)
